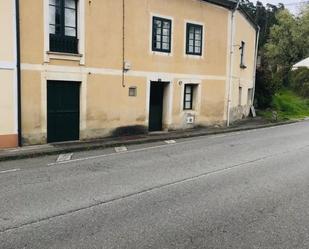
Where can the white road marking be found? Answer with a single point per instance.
(214, 136)
(9, 171)
(112, 154)
(121, 149)
(170, 141)
(64, 157)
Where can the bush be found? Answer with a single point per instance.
(289, 105)
(266, 87)
(299, 81)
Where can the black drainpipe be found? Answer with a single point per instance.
(18, 74)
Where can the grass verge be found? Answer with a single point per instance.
(286, 105)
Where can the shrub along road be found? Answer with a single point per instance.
(240, 190)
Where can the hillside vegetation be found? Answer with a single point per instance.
(286, 105)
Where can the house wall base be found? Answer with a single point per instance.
(239, 112)
(8, 141)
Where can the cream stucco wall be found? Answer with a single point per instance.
(32, 121)
(104, 93)
(138, 37)
(32, 32)
(242, 77)
(105, 104)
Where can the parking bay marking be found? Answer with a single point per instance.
(64, 157)
(214, 136)
(170, 141)
(121, 149)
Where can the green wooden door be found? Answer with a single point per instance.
(63, 111)
(156, 106)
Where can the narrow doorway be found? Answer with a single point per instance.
(63, 111)
(156, 106)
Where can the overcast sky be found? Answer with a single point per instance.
(293, 5)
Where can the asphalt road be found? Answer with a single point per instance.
(244, 190)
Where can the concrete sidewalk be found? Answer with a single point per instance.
(56, 148)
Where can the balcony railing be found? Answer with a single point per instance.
(64, 44)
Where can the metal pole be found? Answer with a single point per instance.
(255, 63)
(231, 64)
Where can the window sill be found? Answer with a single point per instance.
(191, 111)
(161, 53)
(194, 56)
(64, 56)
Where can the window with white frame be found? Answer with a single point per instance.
(161, 34)
(194, 39)
(63, 26)
(189, 95)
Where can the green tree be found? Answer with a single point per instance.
(265, 17)
(303, 34)
(281, 50)
(299, 81)
(288, 43)
(283, 42)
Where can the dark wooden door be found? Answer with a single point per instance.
(156, 106)
(62, 111)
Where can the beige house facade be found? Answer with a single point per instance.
(8, 75)
(92, 69)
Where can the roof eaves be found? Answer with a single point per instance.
(250, 19)
(224, 3)
(231, 4)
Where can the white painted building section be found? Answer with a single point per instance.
(8, 74)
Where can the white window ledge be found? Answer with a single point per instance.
(195, 57)
(162, 53)
(64, 56)
(190, 112)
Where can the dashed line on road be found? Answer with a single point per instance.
(138, 150)
(214, 136)
(112, 154)
(9, 171)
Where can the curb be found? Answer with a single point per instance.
(91, 145)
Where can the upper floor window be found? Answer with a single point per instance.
(161, 34)
(242, 55)
(63, 26)
(194, 39)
